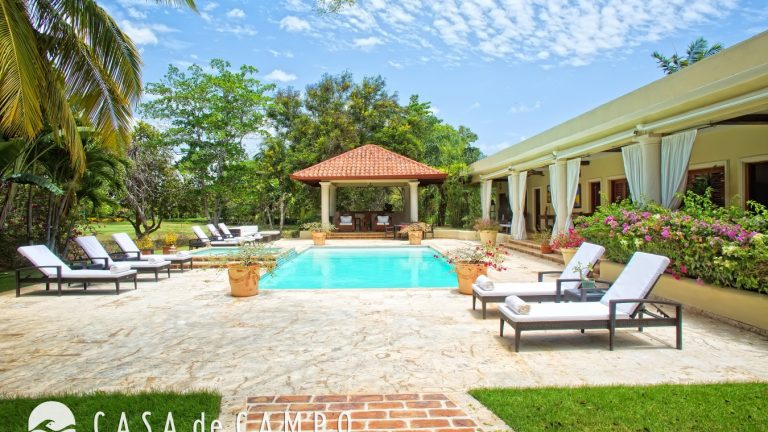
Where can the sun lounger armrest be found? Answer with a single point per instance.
(558, 286)
(607, 283)
(613, 303)
(94, 261)
(21, 269)
(542, 273)
(126, 256)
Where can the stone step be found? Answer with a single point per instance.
(531, 248)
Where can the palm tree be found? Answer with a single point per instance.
(60, 57)
(697, 50)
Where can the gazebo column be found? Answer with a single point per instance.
(325, 203)
(413, 192)
(332, 200)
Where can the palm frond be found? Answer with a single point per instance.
(188, 3)
(20, 66)
(33, 179)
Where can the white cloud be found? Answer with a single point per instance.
(523, 108)
(297, 6)
(395, 64)
(239, 30)
(135, 13)
(294, 24)
(139, 34)
(474, 106)
(368, 43)
(236, 13)
(286, 53)
(280, 75)
(209, 6)
(434, 110)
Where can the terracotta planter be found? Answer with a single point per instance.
(169, 250)
(243, 280)
(488, 236)
(147, 251)
(467, 274)
(319, 238)
(414, 237)
(545, 248)
(568, 254)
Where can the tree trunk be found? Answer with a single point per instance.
(268, 211)
(442, 206)
(29, 215)
(281, 204)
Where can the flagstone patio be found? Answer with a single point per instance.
(188, 333)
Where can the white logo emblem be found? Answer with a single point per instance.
(51, 417)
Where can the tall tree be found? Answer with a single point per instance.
(211, 116)
(696, 51)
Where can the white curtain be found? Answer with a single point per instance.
(486, 192)
(553, 189)
(573, 168)
(517, 188)
(635, 170)
(675, 155)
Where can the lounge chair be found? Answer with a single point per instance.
(345, 222)
(204, 240)
(624, 305)
(98, 255)
(227, 234)
(568, 280)
(132, 252)
(381, 222)
(55, 270)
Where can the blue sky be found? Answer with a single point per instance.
(507, 69)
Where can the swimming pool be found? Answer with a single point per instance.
(385, 267)
(227, 251)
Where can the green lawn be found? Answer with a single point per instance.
(710, 407)
(186, 408)
(105, 230)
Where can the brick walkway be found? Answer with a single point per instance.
(375, 412)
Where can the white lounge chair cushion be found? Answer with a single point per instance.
(199, 233)
(96, 274)
(119, 268)
(552, 312)
(147, 264)
(587, 253)
(125, 243)
(40, 255)
(382, 220)
(345, 220)
(94, 250)
(636, 280)
(213, 230)
(226, 242)
(224, 229)
(520, 289)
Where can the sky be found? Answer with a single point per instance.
(507, 69)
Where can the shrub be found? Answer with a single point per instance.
(567, 240)
(486, 224)
(723, 246)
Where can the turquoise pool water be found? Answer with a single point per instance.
(227, 251)
(319, 268)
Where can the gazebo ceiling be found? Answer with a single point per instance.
(369, 162)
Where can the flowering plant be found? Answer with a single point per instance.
(416, 226)
(568, 239)
(487, 254)
(486, 224)
(145, 243)
(317, 227)
(170, 238)
(724, 246)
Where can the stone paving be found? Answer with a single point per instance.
(188, 333)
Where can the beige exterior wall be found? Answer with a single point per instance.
(728, 146)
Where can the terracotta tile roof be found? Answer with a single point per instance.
(369, 162)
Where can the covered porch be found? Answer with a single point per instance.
(369, 166)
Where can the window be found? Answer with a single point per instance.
(757, 182)
(594, 195)
(619, 190)
(699, 180)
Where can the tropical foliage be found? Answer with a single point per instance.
(696, 51)
(487, 254)
(724, 246)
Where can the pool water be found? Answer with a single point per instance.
(386, 267)
(227, 251)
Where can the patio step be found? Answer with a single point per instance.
(356, 235)
(531, 248)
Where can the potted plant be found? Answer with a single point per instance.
(146, 245)
(567, 243)
(319, 232)
(544, 238)
(488, 229)
(244, 272)
(472, 261)
(169, 241)
(415, 232)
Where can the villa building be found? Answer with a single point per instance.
(704, 126)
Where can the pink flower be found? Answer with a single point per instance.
(683, 269)
(647, 238)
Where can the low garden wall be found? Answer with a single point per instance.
(746, 307)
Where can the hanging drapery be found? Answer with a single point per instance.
(553, 192)
(517, 188)
(573, 167)
(634, 168)
(486, 192)
(675, 155)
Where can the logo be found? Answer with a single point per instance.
(51, 417)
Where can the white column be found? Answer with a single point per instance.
(406, 201)
(324, 203)
(561, 202)
(413, 193)
(332, 200)
(486, 192)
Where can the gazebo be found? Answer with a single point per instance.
(369, 165)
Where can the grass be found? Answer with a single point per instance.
(706, 407)
(186, 408)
